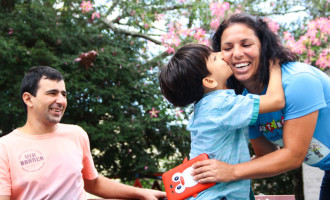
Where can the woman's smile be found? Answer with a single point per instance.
(240, 48)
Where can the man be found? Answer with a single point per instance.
(46, 159)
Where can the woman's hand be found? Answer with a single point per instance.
(212, 170)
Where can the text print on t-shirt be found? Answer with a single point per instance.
(31, 160)
(271, 126)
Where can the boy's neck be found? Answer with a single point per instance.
(207, 90)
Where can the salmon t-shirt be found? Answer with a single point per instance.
(50, 166)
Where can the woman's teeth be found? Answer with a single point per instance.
(242, 65)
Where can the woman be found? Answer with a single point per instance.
(301, 129)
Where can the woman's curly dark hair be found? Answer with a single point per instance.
(271, 46)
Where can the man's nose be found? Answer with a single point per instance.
(61, 99)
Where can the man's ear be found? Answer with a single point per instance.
(209, 82)
(27, 99)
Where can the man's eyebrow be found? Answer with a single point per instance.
(53, 90)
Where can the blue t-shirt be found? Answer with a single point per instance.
(219, 128)
(307, 89)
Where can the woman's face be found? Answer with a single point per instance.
(240, 48)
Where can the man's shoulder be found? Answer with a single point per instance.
(9, 136)
(72, 129)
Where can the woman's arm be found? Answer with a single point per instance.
(297, 135)
(262, 146)
(274, 99)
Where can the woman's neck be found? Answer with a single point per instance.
(254, 87)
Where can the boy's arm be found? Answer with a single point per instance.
(274, 98)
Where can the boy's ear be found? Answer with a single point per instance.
(209, 82)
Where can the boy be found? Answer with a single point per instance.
(220, 119)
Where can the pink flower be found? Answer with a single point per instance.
(145, 167)
(200, 33)
(215, 23)
(178, 112)
(95, 14)
(273, 26)
(324, 59)
(159, 16)
(219, 9)
(170, 50)
(146, 25)
(11, 30)
(153, 113)
(86, 6)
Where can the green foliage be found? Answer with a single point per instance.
(111, 99)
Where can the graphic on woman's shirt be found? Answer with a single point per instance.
(271, 126)
(31, 160)
(316, 152)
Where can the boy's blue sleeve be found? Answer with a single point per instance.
(239, 111)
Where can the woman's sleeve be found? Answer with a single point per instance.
(303, 95)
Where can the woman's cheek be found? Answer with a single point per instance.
(226, 57)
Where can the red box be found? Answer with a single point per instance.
(179, 183)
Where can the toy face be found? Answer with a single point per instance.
(178, 182)
(183, 180)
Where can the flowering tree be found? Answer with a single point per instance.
(110, 52)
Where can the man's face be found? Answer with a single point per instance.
(50, 102)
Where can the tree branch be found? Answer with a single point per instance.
(131, 33)
(279, 13)
(155, 60)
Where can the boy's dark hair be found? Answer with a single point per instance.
(181, 80)
(271, 46)
(30, 82)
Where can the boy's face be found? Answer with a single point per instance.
(219, 69)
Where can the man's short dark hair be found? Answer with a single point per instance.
(30, 82)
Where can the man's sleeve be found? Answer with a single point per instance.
(89, 171)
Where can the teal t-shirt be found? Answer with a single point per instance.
(307, 89)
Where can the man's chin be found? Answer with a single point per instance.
(55, 121)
